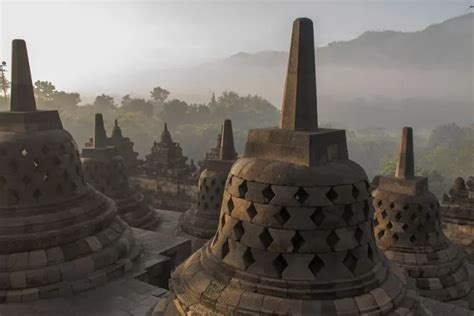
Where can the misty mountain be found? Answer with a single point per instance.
(436, 62)
(447, 45)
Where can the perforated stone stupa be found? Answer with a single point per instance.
(105, 169)
(408, 229)
(201, 220)
(295, 231)
(457, 213)
(57, 234)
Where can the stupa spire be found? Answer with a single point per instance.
(406, 161)
(22, 93)
(299, 108)
(100, 136)
(227, 149)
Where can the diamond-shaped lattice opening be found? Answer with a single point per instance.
(282, 216)
(392, 205)
(230, 205)
(413, 216)
(332, 194)
(243, 189)
(406, 207)
(12, 197)
(358, 233)
(380, 233)
(428, 217)
(279, 264)
(248, 258)
(266, 238)
(412, 239)
(355, 192)
(26, 180)
(370, 253)
(389, 225)
(37, 194)
(384, 214)
(332, 239)
(24, 152)
(432, 206)
(239, 230)
(268, 194)
(398, 216)
(350, 261)
(318, 216)
(347, 214)
(420, 208)
(316, 265)
(301, 195)
(379, 203)
(405, 227)
(225, 249)
(395, 237)
(213, 182)
(297, 241)
(376, 222)
(73, 187)
(251, 211)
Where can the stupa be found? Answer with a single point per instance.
(105, 170)
(457, 214)
(124, 147)
(201, 220)
(295, 231)
(58, 235)
(166, 158)
(408, 230)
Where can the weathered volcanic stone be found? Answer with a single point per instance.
(105, 169)
(408, 230)
(295, 234)
(457, 214)
(57, 234)
(201, 220)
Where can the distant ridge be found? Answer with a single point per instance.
(444, 45)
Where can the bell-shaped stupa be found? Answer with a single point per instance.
(457, 214)
(57, 234)
(105, 169)
(201, 220)
(295, 234)
(408, 230)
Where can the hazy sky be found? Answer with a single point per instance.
(75, 42)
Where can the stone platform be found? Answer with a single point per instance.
(133, 294)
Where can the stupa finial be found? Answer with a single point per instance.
(100, 136)
(299, 109)
(22, 93)
(406, 161)
(227, 150)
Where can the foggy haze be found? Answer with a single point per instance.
(129, 47)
